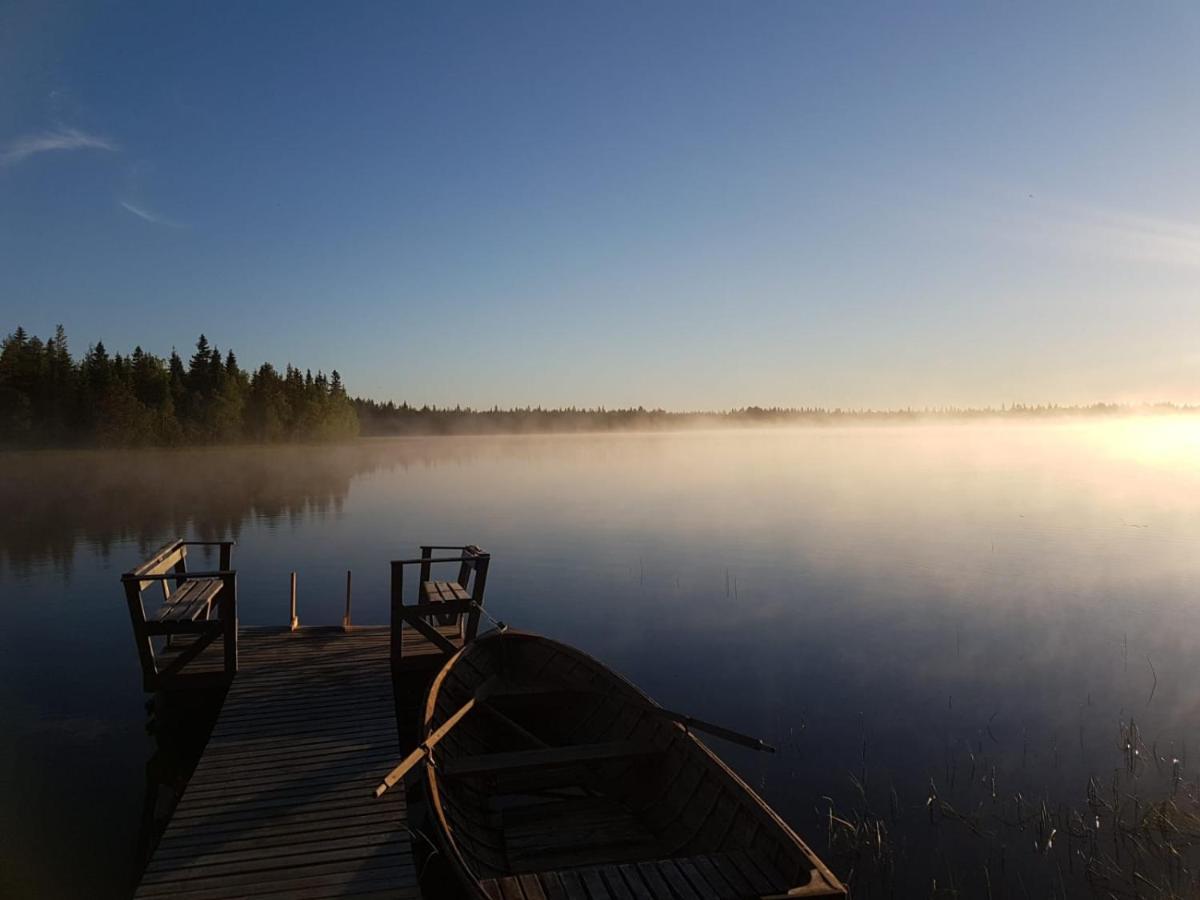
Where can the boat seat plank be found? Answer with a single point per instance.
(691, 878)
(524, 760)
(596, 888)
(510, 888)
(531, 887)
(727, 870)
(617, 888)
(634, 881)
(674, 877)
(654, 880)
(752, 873)
(764, 862)
(552, 886)
(716, 889)
(573, 885)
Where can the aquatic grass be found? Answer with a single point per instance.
(1133, 834)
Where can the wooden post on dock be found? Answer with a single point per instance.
(397, 605)
(293, 619)
(346, 618)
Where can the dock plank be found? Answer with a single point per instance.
(281, 801)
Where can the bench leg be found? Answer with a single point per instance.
(229, 620)
(145, 646)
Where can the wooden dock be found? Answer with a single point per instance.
(286, 799)
(281, 802)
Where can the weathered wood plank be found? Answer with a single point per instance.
(741, 887)
(280, 802)
(675, 878)
(753, 874)
(532, 888)
(635, 882)
(654, 880)
(706, 889)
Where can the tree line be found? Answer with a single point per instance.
(389, 418)
(48, 398)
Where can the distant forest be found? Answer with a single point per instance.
(48, 398)
(401, 419)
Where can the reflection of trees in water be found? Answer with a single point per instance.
(53, 501)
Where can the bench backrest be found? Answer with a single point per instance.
(471, 566)
(171, 557)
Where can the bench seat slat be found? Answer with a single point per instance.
(190, 600)
(443, 590)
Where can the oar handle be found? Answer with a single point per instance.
(401, 770)
(430, 742)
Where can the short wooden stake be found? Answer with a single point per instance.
(346, 618)
(293, 618)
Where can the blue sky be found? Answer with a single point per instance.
(686, 205)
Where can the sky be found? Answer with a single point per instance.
(692, 206)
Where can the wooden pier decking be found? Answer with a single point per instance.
(281, 802)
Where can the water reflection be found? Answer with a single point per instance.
(929, 621)
(56, 501)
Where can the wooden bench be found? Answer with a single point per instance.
(182, 625)
(446, 613)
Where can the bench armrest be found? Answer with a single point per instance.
(181, 576)
(434, 559)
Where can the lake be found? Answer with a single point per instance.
(945, 629)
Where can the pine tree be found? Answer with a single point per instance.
(198, 368)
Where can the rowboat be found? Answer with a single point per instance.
(550, 777)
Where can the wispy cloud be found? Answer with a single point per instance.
(150, 216)
(1123, 235)
(28, 145)
(1144, 238)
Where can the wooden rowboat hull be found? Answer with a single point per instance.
(566, 782)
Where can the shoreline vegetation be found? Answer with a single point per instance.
(50, 399)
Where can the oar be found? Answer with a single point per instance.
(432, 741)
(685, 720)
(719, 731)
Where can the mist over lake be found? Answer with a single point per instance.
(982, 607)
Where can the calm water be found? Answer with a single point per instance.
(982, 608)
